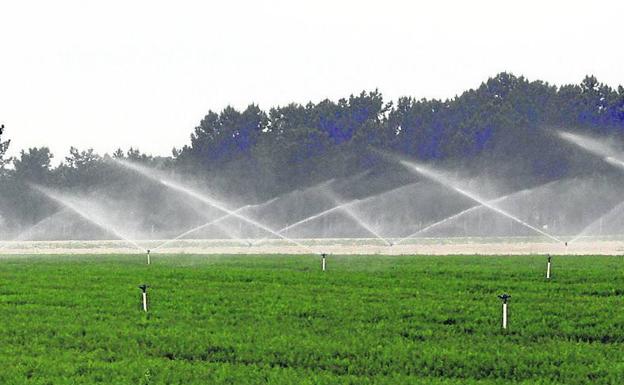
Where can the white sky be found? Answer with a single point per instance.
(109, 74)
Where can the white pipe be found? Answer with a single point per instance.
(548, 271)
(148, 257)
(144, 301)
(504, 315)
(324, 263)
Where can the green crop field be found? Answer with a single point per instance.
(280, 320)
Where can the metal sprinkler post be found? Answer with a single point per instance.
(323, 261)
(504, 297)
(143, 288)
(148, 256)
(548, 268)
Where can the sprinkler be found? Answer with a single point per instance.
(143, 288)
(548, 268)
(323, 261)
(148, 256)
(504, 297)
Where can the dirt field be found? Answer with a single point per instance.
(425, 246)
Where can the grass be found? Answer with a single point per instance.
(279, 320)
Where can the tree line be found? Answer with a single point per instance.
(507, 122)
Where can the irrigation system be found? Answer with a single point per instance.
(504, 297)
(430, 207)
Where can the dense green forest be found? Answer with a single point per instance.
(503, 127)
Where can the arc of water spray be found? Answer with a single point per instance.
(226, 216)
(609, 214)
(593, 146)
(24, 235)
(445, 182)
(438, 223)
(332, 209)
(308, 219)
(614, 161)
(207, 224)
(347, 210)
(606, 153)
(64, 202)
(467, 211)
(214, 222)
(315, 216)
(212, 202)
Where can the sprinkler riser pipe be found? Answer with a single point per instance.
(504, 315)
(324, 263)
(144, 302)
(548, 271)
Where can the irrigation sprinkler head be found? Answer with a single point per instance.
(504, 297)
(548, 267)
(566, 243)
(143, 288)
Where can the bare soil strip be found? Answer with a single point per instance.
(429, 246)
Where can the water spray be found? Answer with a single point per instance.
(437, 177)
(220, 206)
(346, 208)
(599, 148)
(614, 212)
(548, 268)
(342, 206)
(209, 201)
(198, 228)
(217, 221)
(83, 212)
(309, 219)
(504, 298)
(467, 211)
(324, 261)
(143, 288)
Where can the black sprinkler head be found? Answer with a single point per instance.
(143, 287)
(549, 258)
(566, 243)
(504, 297)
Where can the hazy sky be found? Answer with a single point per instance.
(109, 74)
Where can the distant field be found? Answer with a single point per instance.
(280, 320)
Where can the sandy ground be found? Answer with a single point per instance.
(447, 246)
